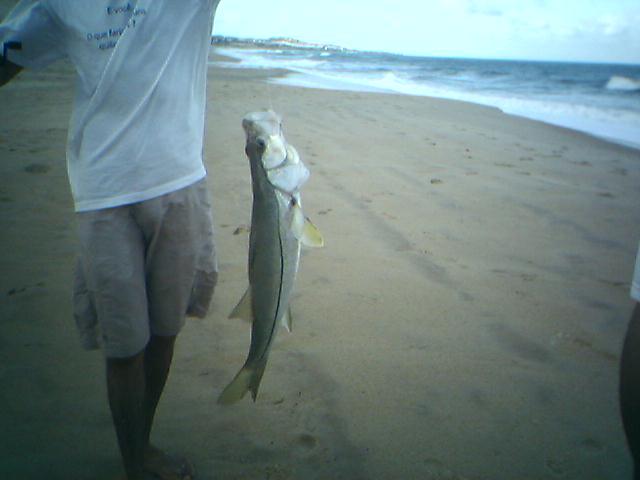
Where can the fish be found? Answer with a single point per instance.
(278, 229)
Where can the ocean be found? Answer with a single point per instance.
(599, 99)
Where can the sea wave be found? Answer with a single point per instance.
(269, 59)
(541, 92)
(623, 83)
(611, 123)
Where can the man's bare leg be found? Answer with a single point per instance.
(157, 361)
(135, 385)
(126, 387)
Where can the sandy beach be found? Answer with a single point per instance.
(464, 320)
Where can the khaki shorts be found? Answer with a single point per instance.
(142, 268)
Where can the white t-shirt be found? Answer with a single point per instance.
(635, 284)
(137, 126)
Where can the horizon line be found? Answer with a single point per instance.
(339, 48)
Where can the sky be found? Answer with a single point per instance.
(558, 30)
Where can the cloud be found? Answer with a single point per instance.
(613, 25)
(481, 8)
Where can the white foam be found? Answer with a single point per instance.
(265, 59)
(326, 82)
(623, 83)
(618, 125)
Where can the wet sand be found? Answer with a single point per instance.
(464, 320)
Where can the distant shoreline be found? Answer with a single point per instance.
(274, 43)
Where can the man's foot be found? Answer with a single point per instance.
(167, 467)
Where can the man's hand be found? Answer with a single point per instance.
(8, 70)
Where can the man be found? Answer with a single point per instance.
(134, 158)
(630, 376)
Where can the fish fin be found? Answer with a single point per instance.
(243, 308)
(286, 320)
(304, 230)
(237, 389)
(256, 378)
(311, 236)
(247, 379)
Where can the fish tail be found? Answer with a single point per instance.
(247, 379)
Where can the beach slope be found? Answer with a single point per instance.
(464, 320)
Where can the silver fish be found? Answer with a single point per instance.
(278, 228)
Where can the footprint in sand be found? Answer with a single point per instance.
(321, 281)
(17, 290)
(620, 171)
(615, 283)
(37, 168)
(592, 446)
(519, 344)
(582, 163)
(306, 441)
(556, 466)
(275, 472)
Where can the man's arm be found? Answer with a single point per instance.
(8, 70)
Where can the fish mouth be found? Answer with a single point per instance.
(266, 123)
(264, 134)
